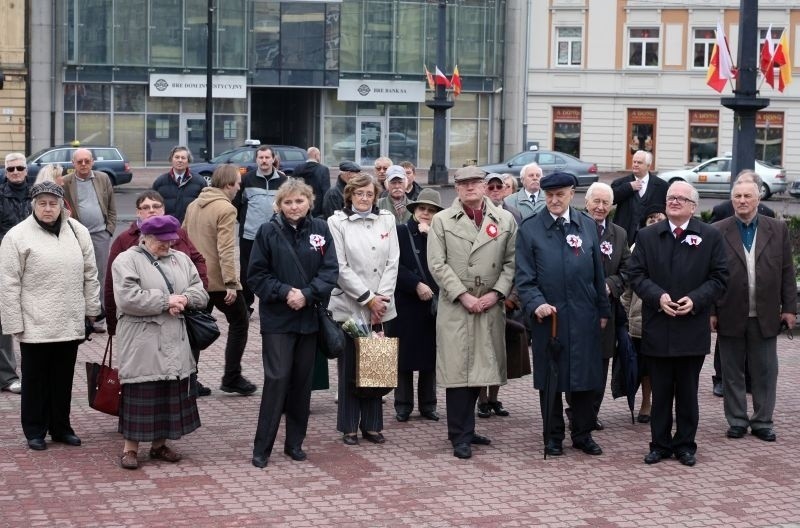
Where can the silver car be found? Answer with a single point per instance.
(714, 176)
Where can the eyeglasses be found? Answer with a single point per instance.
(364, 194)
(83, 161)
(151, 207)
(381, 168)
(16, 169)
(680, 199)
(495, 187)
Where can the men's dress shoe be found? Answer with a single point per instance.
(260, 461)
(484, 411)
(687, 459)
(766, 434)
(37, 444)
(403, 417)
(480, 440)
(718, 390)
(202, 390)
(165, 453)
(588, 446)
(655, 456)
(240, 386)
(296, 453)
(643, 418)
(599, 426)
(736, 431)
(128, 460)
(462, 451)
(376, 438)
(15, 387)
(69, 439)
(430, 415)
(350, 439)
(498, 409)
(553, 448)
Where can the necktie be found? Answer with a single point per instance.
(678, 231)
(600, 230)
(560, 223)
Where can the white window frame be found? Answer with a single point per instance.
(644, 42)
(569, 42)
(707, 42)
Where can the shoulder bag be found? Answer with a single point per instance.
(201, 326)
(435, 298)
(102, 381)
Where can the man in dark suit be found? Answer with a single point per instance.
(634, 193)
(762, 295)
(722, 211)
(678, 268)
(318, 176)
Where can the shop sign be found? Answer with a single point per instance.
(381, 91)
(773, 119)
(172, 85)
(703, 117)
(564, 114)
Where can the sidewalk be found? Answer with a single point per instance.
(412, 480)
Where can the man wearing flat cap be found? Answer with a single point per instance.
(471, 258)
(334, 198)
(560, 274)
(396, 200)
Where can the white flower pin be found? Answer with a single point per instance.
(692, 240)
(317, 243)
(606, 248)
(575, 242)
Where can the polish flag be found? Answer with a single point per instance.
(441, 79)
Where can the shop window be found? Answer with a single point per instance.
(568, 46)
(643, 47)
(129, 134)
(703, 135)
(93, 97)
(162, 127)
(703, 45)
(129, 98)
(162, 135)
(642, 132)
(769, 137)
(567, 130)
(229, 129)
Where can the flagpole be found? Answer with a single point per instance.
(438, 173)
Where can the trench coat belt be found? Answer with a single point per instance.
(476, 286)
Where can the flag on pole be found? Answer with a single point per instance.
(441, 79)
(767, 53)
(455, 82)
(720, 68)
(429, 77)
(783, 62)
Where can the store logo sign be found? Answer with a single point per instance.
(223, 86)
(389, 91)
(364, 90)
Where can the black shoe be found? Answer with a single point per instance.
(462, 451)
(599, 426)
(553, 448)
(643, 418)
(736, 431)
(202, 390)
(718, 389)
(296, 453)
(655, 456)
(766, 434)
(240, 386)
(498, 409)
(402, 417)
(37, 444)
(588, 446)
(260, 461)
(687, 459)
(376, 438)
(430, 415)
(480, 440)
(350, 439)
(69, 439)
(484, 411)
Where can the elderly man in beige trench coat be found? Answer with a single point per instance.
(471, 257)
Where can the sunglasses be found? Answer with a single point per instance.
(495, 187)
(16, 169)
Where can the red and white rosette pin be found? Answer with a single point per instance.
(692, 240)
(317, 243)
(575, 242)
(606, 249)
(492, 230)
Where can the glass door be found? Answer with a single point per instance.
(370, 141)
(193, 133)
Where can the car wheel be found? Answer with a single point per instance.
(765, 192)
(111, 178)
(207, 177)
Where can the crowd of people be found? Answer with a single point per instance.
(466, 289)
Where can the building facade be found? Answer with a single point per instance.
(347, 76)
(14, 72)
(609, 77)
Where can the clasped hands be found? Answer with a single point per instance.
(295, 299)
(424, 292)
(378, 306)
(177, 303)
(476, 305)
(682, 306)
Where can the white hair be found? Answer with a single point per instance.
(599, 186)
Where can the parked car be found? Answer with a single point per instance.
(107, 159)
(714, 176)
(245, 158)
(550, 161)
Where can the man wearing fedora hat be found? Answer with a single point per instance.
(471, 257)
(560, 274)
(416, 297)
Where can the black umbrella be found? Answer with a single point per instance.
(552, 353)
(625, 371)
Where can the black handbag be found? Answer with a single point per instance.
(201, 326)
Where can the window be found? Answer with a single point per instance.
(703, 135)
(567, 130)
(769, 137)
(704, 40)
(643, 47)
(568, 46)
(229, 132)
(162, 128)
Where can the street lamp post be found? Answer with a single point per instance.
(440, 104)
(209, 81)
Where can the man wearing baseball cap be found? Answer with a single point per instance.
(396, 200)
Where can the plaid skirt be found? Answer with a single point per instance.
(156, 410)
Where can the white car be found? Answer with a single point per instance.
(714, 176)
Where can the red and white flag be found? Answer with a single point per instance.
(720, 68)
(455, 82)
(767, 54)
(440, 78)
(428, 77)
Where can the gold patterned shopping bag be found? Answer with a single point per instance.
(376, 361)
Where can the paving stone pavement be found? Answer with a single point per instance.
(412, 479)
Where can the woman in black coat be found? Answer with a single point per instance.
(293, 267)
(416, 295)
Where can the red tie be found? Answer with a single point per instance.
(678, 231)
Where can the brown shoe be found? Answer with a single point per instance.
(128, 460)
(165, 453)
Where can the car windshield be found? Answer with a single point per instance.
(222, 158)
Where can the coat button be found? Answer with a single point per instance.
(375, 270)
